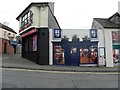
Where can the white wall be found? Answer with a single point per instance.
(43, 17)
(108, 48)
(50, 47)
(81, 33)
(36, 15)
(101, 38)
(96, 25)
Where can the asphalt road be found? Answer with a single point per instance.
(14, 78)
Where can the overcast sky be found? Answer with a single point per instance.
(71, 14)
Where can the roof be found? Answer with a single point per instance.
(54, 17)
(32, 4)
(7, 28)
(109, 22)
(115, 15)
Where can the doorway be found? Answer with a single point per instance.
(5, 49)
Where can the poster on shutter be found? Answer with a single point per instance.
(101, 60)
(35, 43)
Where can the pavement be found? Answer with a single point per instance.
(15, 61)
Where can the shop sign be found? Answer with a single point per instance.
(57, 33)
(28, 25)
(101, 60)
(93, 33)
(35, 43)
(28, 33)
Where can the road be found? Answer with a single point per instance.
(21, 78)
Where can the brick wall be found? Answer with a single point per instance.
(9, 49)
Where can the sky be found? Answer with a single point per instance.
(70, 14)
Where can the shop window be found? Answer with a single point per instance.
(5, 33)
(58, 54)
(31, 44)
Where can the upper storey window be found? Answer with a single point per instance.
(27, 19)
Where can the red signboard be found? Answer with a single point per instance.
(23, 28)
(28, 33)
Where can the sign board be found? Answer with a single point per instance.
(57, 33)
(93, 33)
(28, 33)
(35, 43)
(101, 60)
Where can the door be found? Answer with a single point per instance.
(71, 53)
(74, 55)
(5, 50)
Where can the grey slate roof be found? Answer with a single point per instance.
(7, 28)
(109, 22)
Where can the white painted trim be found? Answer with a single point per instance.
(88, 65)
(50, 48)
(55, 40)
(43, 26)
(28, 29)
(116, 43)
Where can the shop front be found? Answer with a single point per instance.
(35, 45)
(75, 53)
